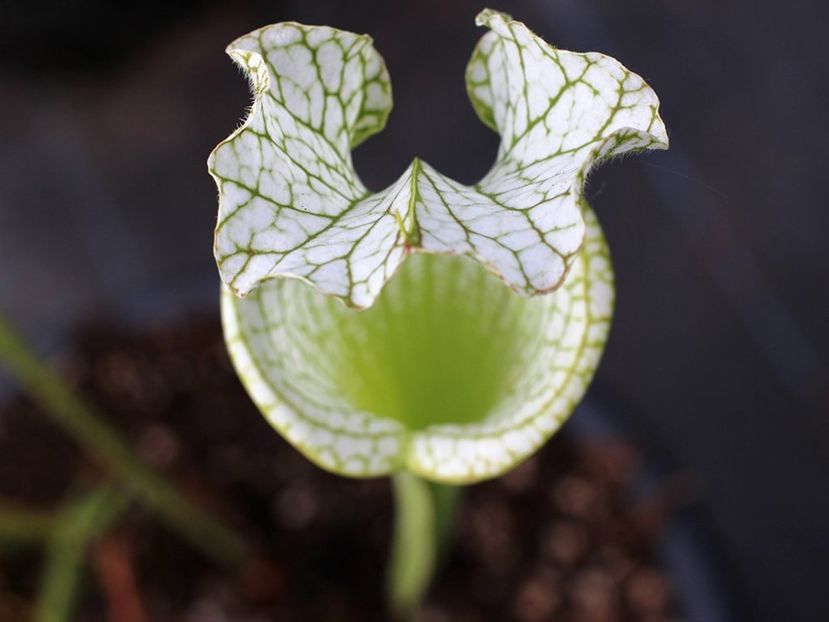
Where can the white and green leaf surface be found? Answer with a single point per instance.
(446, 372)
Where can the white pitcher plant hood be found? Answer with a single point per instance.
(446, 372)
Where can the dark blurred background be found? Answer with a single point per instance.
(721, 340)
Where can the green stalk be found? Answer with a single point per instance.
(75, 528)
(446, 504)
(424, 516)
(83, 423)
(22, 526)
